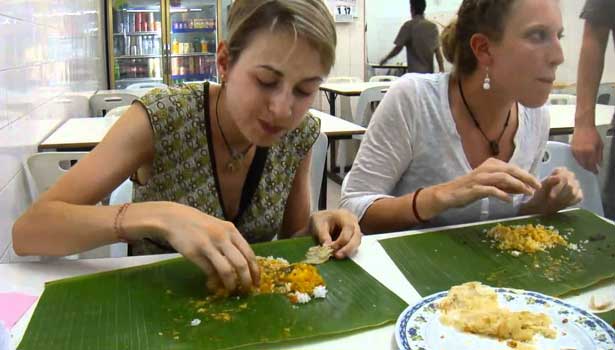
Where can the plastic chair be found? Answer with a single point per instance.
(117, 111)
(606, 94)
(102, 102)
(46, 168)
(378, 78)
(562, 99)
(558, 154)
(364, 107)
(319, 156)
(148, 85)
(606, 135)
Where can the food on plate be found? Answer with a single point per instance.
(473, 307)
(526, 238)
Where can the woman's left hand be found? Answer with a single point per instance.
(338, 229)
(559, 190)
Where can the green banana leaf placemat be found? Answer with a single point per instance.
(436, 261)
(152, 307)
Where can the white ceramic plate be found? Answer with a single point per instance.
(419, 327)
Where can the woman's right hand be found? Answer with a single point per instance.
(214, 245)
(493, 178)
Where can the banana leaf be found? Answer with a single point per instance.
(436, 261)
(152, 306)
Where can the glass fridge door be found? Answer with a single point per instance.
(193, 40)
(136, 45)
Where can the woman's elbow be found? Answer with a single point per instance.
(19, 235)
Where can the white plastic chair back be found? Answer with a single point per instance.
(45, 169)
(562, 99)
(103, 102)
(606, 94)
(364, 112)
(378, 78)
(319, 155)
(148, 85)
(117, 111)
(558, 154)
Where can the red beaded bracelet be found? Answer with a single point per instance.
(414, 211)
(117, 225)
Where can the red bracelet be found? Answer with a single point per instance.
(117, 224)
(414, 211)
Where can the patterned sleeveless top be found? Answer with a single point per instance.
(183, 165)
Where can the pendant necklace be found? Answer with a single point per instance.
(237, 157)
(494, 145)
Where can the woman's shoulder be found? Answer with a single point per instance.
(173, 93)
(536, 118)
(420, 86)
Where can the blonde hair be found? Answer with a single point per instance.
(308, 19)
(474, 16)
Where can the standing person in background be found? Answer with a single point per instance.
(420, 37)
(587, 146)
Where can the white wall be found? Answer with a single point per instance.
(48, 49)
(571, 44)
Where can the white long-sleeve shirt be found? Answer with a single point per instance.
(412, 142)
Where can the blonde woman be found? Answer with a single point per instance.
(444, 149)
(215, 166)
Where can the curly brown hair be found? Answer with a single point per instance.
(474, 16)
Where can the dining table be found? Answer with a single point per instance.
(30, 278)
(85, 133)
(562, 117)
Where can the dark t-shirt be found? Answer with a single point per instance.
(600, 12)
(420, 37)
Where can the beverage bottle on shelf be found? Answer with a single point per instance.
(133, 24)
(196, 45)
(175, 47)
(203, 45)
(137, 21)
(190, 24)
(191, 65)
(116, 71)
(174, 66)
(150, 22)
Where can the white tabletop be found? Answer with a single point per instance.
(137, 92)
(562, 116)
(352, 89)
(78, 133)
(333, 126)
(88, 132)
(31, 277)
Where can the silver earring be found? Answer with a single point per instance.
(487, 81)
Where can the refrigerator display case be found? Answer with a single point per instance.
(162, 41)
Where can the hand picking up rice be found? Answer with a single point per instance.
(473, 307)
(526, 238)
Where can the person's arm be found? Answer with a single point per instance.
(386, 153)
(586, 143)
(440, 59)
(394, 52)
(64, 220)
